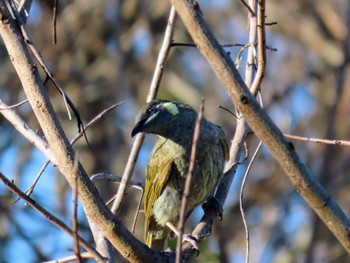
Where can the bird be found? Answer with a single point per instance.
(168, 164)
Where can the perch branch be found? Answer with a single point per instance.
(188, 182)
(262, 125)
(152, 94)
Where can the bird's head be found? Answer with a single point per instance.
(163, 117)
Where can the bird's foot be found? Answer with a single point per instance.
(168, 250)
(213, 202)
(192, 239)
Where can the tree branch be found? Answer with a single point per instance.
(95, 209)
(53, 219)
(27, 132)
(264, 128)
(152, 93)
(261, 48)
(188, 182)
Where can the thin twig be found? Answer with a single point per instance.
(188, 182)
(84, 255)
(53, 219)
(67, 101)
(54, 21)
(240, 53)
(318, 140)
(227, 110)
(152, 94)
(36, 53)
(49, 74)
(271, 48)
(117, 179)
(30, 189)
(14, 106)
(94, 120)
(241, 201)
(250, 68)
(137, 212)
(163, 55)
(249, 80)
(261, 48)
(27, 132)
(177, 44)
(99, 177)
(24, 8)
(271, 23)
(248, 7)
(75, 212)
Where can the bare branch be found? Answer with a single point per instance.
(115, 179)
(30, 189)
(318, 140)
(261, 48)
(251, 11)
(152, 94)
(36, 53)
(24, 8)
(176, 44)
(241, 201)
(84, 255)
(54, 22)
(264, 128)
(188, 182)
(94, 120)
(250, 68)
(53, 219)
(27, 132)
(14, 106)
(95, 209)
(250, 77)
(75, 213)
(138, 208)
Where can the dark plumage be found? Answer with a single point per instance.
(169, 161)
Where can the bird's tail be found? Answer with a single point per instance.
(155, 235)
(156, 243)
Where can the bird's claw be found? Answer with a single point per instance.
(194, 240)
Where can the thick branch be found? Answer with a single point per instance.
(95, 209)
(264, 128)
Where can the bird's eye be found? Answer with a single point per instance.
(152, 110)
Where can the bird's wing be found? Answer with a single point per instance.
(225, 148)
(224, 144)
(157, 175)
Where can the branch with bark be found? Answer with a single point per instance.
(262, 125)
(94, 207)
(106, 223)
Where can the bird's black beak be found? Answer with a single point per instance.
(138, 128)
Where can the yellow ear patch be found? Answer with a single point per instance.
(171, 107)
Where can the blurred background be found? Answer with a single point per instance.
(106, 53)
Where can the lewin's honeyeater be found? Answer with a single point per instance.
(168, 164)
